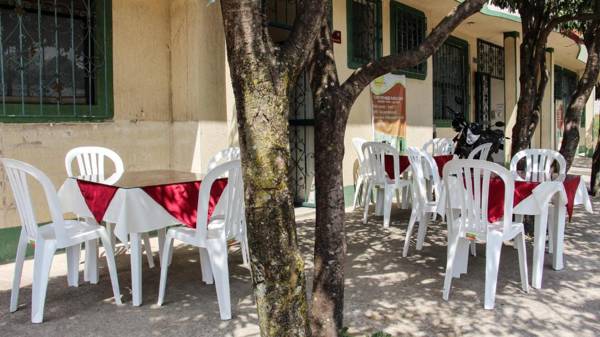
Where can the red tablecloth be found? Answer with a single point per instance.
(179, 200)
(524, 189)
(405, 163)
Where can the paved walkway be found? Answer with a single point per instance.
(384, 291)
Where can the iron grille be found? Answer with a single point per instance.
(280, 13)
(364, 31)
(54, 60)
(490, 59)
(408, 30)
(450, 79)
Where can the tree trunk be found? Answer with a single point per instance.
(262, 106)
(595, 181)
(586, 84)
(327, 316)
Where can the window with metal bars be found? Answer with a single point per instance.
(364, 31)
(450, 80)
(408, 28)
(490, 59)
(55, 60)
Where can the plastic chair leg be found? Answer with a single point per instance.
(409, 230)
(207, 274)
(161, 244)
(110, 261)
(539, 245)
(423, 223)
(452, 247)
(164, 268)
(493, 247)
(148, 250)
(90, 273)
(387, 205)
(473, 248)
(366, 202)
(44, 253)
(357, 191)
(136, 269)
(461, 260)
(73, 257)
(520, 243)
(217, 251)
(19, 261)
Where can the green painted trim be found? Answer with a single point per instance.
(354, 63)
(463, 44)
(9, 238)
(348, 195)
(442, 123)
(103, 110)
(397, 6)
(486, 10)
(513, 34)
(550, 50)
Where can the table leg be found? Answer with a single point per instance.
(136, 269)
(161, 244)
(379, 202)
(558, 235)
(539, 245)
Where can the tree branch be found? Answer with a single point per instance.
(361, 78)
(295, 51)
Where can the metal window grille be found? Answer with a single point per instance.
(54, 60)
(408, 30)
(364, 31)
(490, 59)
(280, 13)
(450, 79)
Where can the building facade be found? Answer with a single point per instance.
(150, 80)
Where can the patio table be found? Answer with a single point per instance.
(139, 202)
(535, 198)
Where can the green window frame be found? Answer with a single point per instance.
(38, 87)
(408, 28)
(451, 73)
(357, 13)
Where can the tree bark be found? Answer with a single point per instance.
(595, 181)
(261, 78)
(332, 103)
(585, 85)
(330, 239)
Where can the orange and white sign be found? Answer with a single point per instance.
(388, 102)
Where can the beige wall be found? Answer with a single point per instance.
(169, 98)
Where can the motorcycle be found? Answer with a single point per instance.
(471, 135)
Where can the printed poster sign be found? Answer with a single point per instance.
(388, 102)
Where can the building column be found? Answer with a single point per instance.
(545, 134)
(511, 85)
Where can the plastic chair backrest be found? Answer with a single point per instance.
(481, 152)
(375, 153)
(423, 168)
(232, 197)
(90, 162)
(17, 173)
(358, 143)
(229, 154)
(538, 165)
(467, 184)
(439, 146)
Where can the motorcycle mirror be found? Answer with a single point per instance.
(500, 124)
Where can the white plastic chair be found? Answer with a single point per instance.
(374, 153)
(481, 152)
(229, 154)
(91, 162)
(423, 203)
(467, 184)
(439, 146)
(362, 178)
(538, 165)
(211, 237)
(60, 233)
